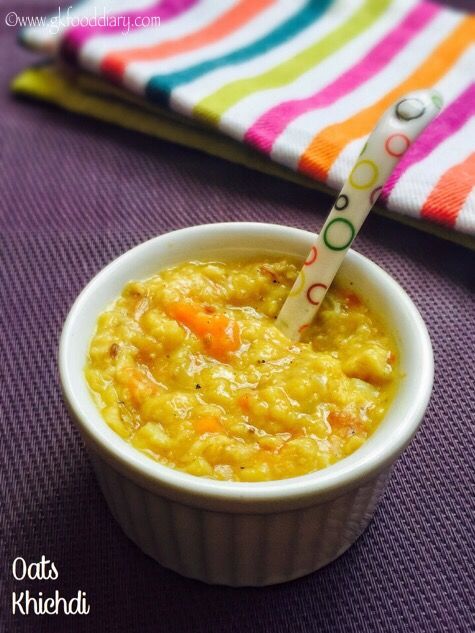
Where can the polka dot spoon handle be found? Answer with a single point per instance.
(399, 126)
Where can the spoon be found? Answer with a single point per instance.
(394, 133)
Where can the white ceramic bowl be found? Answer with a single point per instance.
(244, 533)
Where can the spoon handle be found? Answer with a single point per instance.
(394, 133)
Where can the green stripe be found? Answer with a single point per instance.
(212, 107)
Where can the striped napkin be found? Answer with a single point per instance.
(301, 81)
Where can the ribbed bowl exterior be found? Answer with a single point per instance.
(237, 549)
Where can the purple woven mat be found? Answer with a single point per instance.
(75, 194)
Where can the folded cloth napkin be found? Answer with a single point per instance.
(302, 81)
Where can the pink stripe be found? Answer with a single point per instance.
(272, 123)
(449, 121)
(74, 38)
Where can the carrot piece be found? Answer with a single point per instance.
(342, 423)
(144, 357)
(352, 300)
(219, 334)
(243, 402)
(208, 424)
(140, 386)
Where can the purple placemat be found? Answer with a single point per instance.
(75, 194)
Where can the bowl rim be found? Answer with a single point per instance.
(330, 481)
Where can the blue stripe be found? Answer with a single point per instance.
(159, 87)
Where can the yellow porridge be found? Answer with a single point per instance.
(189, 367)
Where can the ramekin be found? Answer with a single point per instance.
(244, 533)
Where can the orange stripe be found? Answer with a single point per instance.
(446, 200)
(114, 64)
(325, 147)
